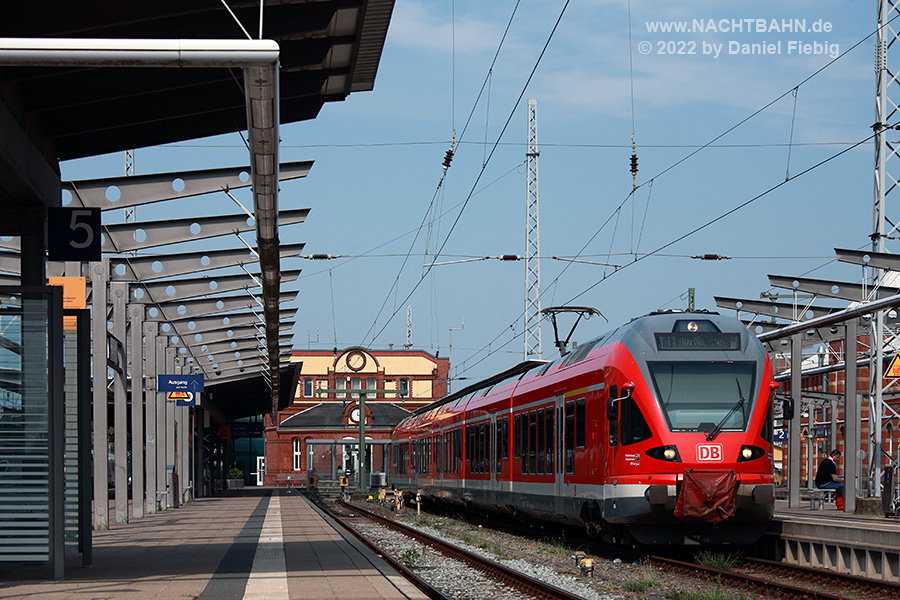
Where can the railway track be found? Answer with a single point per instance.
(519, 583)
(789, 581)
(765, 578)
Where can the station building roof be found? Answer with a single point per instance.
(327, 415)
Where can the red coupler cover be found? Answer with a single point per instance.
(709, 496)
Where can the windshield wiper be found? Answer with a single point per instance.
(740, 403)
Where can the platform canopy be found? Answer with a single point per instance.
(52, 112)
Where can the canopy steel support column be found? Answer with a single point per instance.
(160, 399)
(851, 418)
(150, 333)
(99, 277)
(794, 440)
(119, 295)
(169, 424)
(136, 317)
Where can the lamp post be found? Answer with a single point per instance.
(362, 486)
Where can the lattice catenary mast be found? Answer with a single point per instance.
(884, 185)
(532, 243)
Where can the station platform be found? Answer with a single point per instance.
(255, 543)
(866, 545)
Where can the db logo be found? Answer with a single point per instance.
(709, 452)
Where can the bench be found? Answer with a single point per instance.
(288, 479)
(817, 497)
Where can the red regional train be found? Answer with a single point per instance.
(659, 432)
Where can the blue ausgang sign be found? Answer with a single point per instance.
(179, 383)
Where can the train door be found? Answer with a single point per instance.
(559, 433)
(492, 455)
(437, 480)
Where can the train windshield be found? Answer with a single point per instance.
(704, 396)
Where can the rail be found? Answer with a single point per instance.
(769, 586)
(510, 577)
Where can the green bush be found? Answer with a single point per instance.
(235, 473)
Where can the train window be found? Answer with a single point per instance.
(482, 448)
(404, 458)
(470, 446)
(523, 431)
(541, 441)
(472, 449)
(486, 454)
(560, 451)
(478, 448)
(769, 423)
(436, 455)
(634, 426)
(704, 396)
(517, 434)
(459, 449)
(550, 438)
(449, 454)
(486, 448)
(532, 443)
(505, 434)
(570, 437)
(498, 445)
(580, 423)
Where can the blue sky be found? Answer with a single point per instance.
(378, 162)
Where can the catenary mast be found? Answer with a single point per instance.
(532, 243)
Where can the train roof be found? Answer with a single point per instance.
(645, 324)
(517, 370)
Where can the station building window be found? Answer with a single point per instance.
(298, 454)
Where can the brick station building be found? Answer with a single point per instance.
(322, 412)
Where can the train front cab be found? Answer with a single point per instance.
(707, 422)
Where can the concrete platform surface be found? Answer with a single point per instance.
(257, 543)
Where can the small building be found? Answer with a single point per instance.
(320, 429)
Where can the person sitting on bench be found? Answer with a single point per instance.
(828, 479)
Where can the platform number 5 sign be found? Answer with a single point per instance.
(73, 234)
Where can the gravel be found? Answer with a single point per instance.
(549, 560)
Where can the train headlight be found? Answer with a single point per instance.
(750, 453)
(667, 453)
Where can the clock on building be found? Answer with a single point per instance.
(354, 415)
(356, 360)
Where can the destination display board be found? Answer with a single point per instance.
(698, 341)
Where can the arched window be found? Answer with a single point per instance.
(298, 454)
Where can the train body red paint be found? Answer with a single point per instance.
(659, 432)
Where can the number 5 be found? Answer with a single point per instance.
(74, 225)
